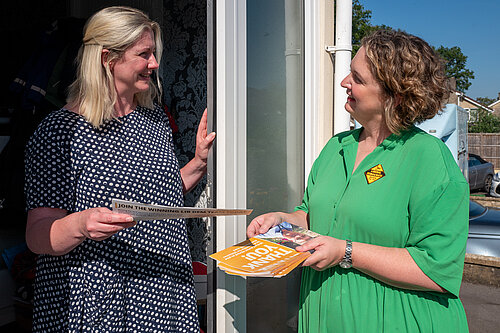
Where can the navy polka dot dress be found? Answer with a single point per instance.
(138, 280)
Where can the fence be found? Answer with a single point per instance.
(486, 145)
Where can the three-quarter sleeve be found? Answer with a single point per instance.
(438, 233)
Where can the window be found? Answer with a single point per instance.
(275, 140)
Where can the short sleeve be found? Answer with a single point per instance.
(439, 225)
(48, 167)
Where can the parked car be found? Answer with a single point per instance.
(480, 173)
(495, 189)
(484, 230)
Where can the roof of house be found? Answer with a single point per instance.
(474, 102)
(494, 103)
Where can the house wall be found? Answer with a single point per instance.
(467, 105)
(496, 109)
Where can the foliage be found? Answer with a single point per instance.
(483, 122)
(455, 66)
(486, 100)
(360, 24)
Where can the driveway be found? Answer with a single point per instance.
(482, 305)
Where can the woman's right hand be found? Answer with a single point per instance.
(262, 223)
(101, 223)
(53, 231)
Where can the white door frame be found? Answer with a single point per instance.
(230, 172)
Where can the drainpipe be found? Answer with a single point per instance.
(294, 101)
(342, 58)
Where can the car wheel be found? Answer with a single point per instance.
(487, 183)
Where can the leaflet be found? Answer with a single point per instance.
(141, 211)
(271, 254)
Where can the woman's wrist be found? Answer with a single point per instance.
(198, 165)
(80, 231)
(281, 217)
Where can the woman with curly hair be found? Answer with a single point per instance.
(389, 200)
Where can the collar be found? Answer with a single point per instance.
(389, 143)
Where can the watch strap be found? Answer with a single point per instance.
(347, 260)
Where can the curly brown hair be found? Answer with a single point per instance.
(411, 75)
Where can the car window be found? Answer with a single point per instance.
(473, 162)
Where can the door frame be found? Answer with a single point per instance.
(226, 98)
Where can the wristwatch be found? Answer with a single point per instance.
(347, 260)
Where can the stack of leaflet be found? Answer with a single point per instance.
(271, 254)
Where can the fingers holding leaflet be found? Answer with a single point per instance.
(253, 228)
(328, 252)
(262, 223)
(101, 223)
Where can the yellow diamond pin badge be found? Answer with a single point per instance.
(374, 173)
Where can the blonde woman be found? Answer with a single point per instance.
(100, 271)
(390, 201)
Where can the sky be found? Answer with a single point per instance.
(472, 25)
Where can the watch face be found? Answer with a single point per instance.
(345, 264)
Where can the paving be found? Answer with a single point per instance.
(481, 300)
(482, 306)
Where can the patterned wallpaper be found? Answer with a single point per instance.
(184, 78)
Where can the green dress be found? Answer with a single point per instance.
(408, 193)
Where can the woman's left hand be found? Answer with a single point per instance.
(328, 252)
(203, 141)
(194, 170)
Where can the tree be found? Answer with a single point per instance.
(455, 66)
(484, 122)
(361, 25)
(486, 100)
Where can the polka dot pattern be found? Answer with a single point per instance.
(138, 280)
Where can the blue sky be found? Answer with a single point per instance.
(472, 25)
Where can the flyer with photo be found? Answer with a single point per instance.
(271, 254)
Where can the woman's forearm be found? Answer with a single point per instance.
(52, 231)
(393, 266)
(192, 173)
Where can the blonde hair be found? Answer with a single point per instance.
(115, 29)
(411, 74)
